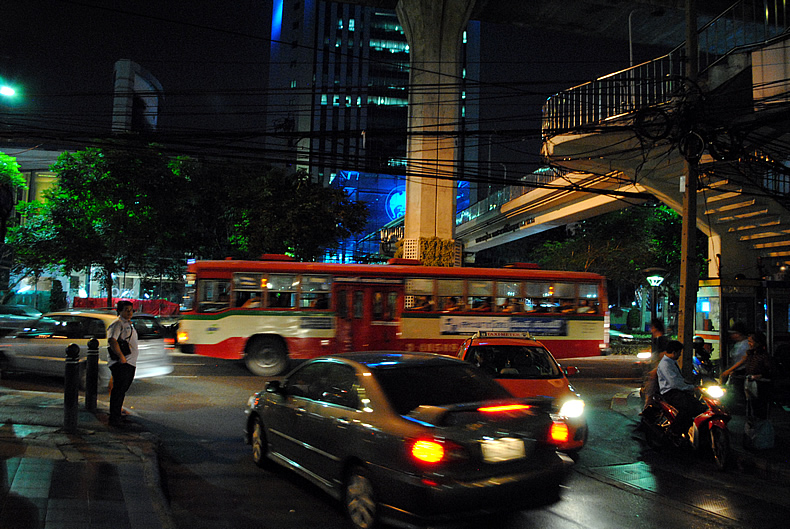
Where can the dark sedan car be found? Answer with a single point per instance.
(408, 437)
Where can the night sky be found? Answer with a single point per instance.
(211, 58)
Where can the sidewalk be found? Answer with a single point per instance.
(772, 464)
(95, 478)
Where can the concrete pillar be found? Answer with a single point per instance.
(434, 29)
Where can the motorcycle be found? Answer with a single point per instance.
(708, 429)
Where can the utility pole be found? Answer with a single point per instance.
(688, 272)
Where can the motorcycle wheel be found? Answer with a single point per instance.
(720, 446)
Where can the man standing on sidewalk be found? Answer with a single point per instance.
(122, 341)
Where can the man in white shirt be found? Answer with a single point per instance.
(122, 364)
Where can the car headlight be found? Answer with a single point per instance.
(572, 408)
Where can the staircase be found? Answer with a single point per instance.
(646, 121)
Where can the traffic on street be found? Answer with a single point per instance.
(210, 480)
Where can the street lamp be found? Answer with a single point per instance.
(7, 91)
(654, 276)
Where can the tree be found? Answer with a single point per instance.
(10, 179)
(105, 211)
(246, 210)
(134, 208)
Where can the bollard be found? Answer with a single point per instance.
(92, 375)
(71, 390)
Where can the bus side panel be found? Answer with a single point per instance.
(440, 333)
(225, 335)
(307, 348)
(230, 349)
(564, 348)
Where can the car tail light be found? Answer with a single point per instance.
(433, 451)
(503, 408)
(559, 432)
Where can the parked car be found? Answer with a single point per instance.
(40, 347)
(524, 367)
(408, 437)
(15, 317)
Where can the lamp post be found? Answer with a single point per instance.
(654, 276)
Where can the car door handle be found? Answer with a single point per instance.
(300, 411)
(343, 421)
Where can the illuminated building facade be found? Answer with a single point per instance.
(338, 86)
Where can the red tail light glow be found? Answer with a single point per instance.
(427, 451)
(504, 407)
(559, 432)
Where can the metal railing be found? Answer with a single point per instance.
(496, 200)
(744, 24)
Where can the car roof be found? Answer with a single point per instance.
(105, 314)
(505, 341)
(396, 359)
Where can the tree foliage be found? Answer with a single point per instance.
(10, 179)
(138, 209)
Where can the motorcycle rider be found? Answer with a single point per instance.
(676, 391)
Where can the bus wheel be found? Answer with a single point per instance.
(266, 357)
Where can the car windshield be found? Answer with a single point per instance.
(408, 387)
(514, 361)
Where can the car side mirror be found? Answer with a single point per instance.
(571, 370)
(275, 386)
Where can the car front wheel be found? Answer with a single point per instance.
(259, 444)
(360, 499)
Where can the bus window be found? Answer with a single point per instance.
(248, 290)
(419, 294)
(508, 295)
(214, 295)
(588, 298)
(480, 295)
(451, 293)
(565, 295)
(315, 292)
(281, 291)
(537, 297)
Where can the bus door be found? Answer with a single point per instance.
(368, 315)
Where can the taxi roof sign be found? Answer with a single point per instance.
(502, 334)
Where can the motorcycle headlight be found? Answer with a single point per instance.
(572, 408)
(716, 392)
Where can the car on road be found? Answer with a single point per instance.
(524, 367)
(40, 346)
(408, 437)
(15, 317)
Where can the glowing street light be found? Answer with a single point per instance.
(7, 91)
(654, 276)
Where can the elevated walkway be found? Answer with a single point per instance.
(641, 124)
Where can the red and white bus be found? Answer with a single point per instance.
(269, 311)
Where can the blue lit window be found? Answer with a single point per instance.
(340, 23)
(351, 25)
(324, 99)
